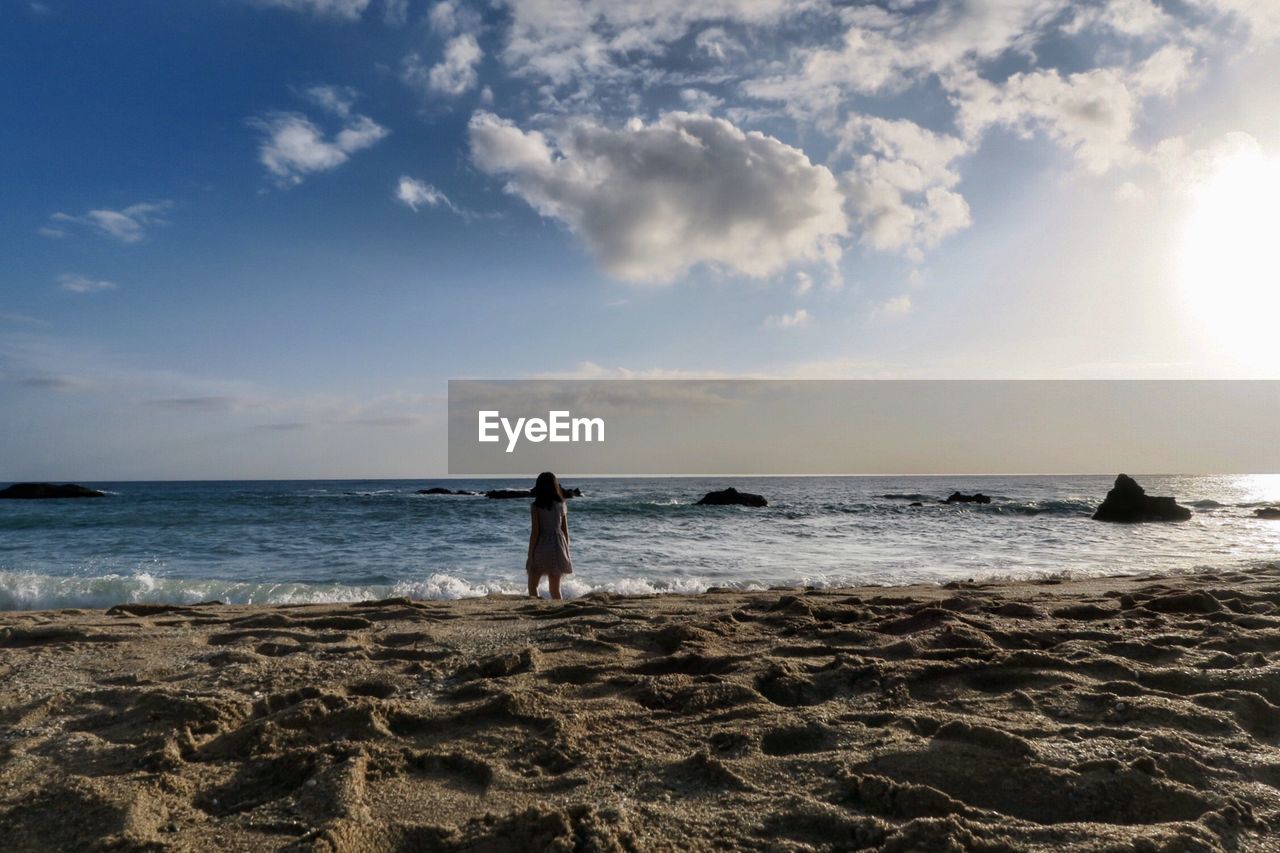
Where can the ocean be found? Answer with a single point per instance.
(348, 540)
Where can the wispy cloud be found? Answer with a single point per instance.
(414, 193)
(349, 10)
(794, 320)
(22, 320)
(56, 383)
(128, 225)
(293, 146)
(212, 403)
(898, 306)
(76, 283)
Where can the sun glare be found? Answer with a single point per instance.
(1230, 256)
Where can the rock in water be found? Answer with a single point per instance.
(435, 490)
(1129, 503)
(732, 497)
(35, 491)
(1269, 512)
(957, 498)
(508, 494)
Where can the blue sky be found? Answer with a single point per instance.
(256, 237)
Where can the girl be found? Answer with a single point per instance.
(549, 537)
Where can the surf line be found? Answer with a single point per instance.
(558, 426)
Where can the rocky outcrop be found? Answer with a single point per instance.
(1271, 513)
(38, 491)
(1129, 503)
(732, 497)
(958, 498)
(440, 490)
(509, 494)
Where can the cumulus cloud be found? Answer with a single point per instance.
(349, 10)
(128, 225)
(456, 72)
(652, 200)
(415, 194)
(1091, 113)
(293, 146)
(900, 189)
(75, 283)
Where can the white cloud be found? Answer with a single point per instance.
(128, 225)
(456, 72)
(1091, 113)
(900, 190)
(700, 101)
(883, 50)
(293, 146)
(334, 99)
(804, 283)
(415, 193)
(652, 200)
(76, 283)
(585, 41)
(898, 306)
(1129, 17)
(1261, 17)
(795, 320)
(448, 18)
(350, 10)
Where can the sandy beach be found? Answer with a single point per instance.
(1114, 714)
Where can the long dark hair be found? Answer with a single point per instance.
(547, 490)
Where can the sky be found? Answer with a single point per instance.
(255, 238)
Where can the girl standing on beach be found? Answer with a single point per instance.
(549, 537)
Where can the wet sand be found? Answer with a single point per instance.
(1114, 714)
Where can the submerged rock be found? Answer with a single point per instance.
(732, 497)
(958, 498)
(440, 490)
(1269, 512)
(38, 491)
(1129, 503)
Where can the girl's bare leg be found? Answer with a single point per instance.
(553, 585)
(533, 585)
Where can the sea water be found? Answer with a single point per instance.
(347, 540)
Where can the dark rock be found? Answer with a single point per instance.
(435, 490)
(508, 494)
(1129, 503)
(1268, 512)
(915, 503)
(35, 491)
(957, 498)
(732, 497)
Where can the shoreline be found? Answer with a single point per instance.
(1028, 714)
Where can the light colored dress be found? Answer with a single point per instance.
(551, 551)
